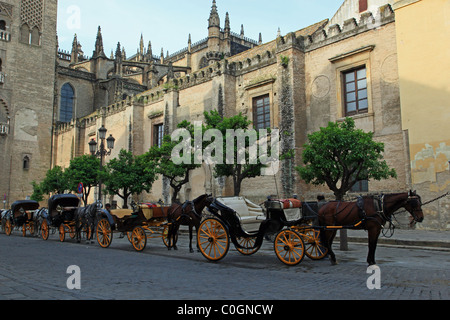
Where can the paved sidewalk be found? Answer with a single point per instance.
(424, 239)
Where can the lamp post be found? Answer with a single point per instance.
(101, 152)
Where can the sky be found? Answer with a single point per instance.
(167, 24)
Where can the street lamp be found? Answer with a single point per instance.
(101, 152)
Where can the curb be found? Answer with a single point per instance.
(413, 244)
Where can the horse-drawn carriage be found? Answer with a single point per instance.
(60, 215)
(144, 221)
(302, 228)
(246, 225)
(21, 215)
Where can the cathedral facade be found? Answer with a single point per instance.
(298, 79)
(345, 66)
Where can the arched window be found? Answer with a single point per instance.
(26, 163)
(66, 106)
(25, 34)
(203, 63)
(3, 25)
(35, 36)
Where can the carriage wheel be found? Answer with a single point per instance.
(313, 247)
(104, 233)
(62, 233)
(45, 232)
(248, 246)
(289, 247)
(8, 228)
(165, 236)
(31, 228)
(138, 239)
(72, 232)
(213, 239)
(87, 230)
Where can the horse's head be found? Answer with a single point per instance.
(209, 199)
(413, 205)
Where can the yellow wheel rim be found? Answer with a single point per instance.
(139, 239)
(313, 248)
(213, 240)
(104, 233)
(289, 247)
(44, 230)
(247, 244)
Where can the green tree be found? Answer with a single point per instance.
(340, 155)
(128, 175)
(238, 171)
(84, 169)
(177, 174)
(56, 182)
(38, 194)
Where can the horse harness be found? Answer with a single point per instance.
(378, 205)
(186, 214)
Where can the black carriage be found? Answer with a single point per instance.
(21, 215)
(246, 225)
(144, 221)
(61, 214)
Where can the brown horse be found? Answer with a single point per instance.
(369, 213)
(187, 214)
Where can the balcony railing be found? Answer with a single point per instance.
(4, 129)
(5, 35)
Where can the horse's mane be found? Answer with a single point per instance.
(198, 198)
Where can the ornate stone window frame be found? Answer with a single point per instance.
(345, 62)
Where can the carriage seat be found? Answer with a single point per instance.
(251, 215)
(122, 213)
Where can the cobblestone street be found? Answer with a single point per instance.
(31, 268)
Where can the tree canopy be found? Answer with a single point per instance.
(128, 175)
(340, 155)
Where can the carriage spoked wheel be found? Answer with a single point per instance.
(138, 239)
(62, 232)
(248, 246)
(45, 231)
(313, 246)
(213, 239)
(104, 233)
(8, 228)
(165, 236)
(289, 247)
(28, 226)
(72, 231)
(87, 231)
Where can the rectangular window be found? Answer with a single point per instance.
(355, 91)
(361, 186)
(261, 112)
(158, 134)
(362, 5)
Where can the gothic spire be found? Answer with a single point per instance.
(227, 28)
(214, 20)
(99, 51)
(141, 45)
